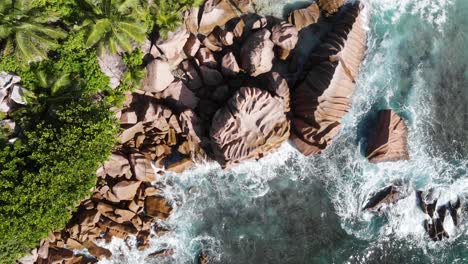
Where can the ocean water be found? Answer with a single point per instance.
(288, 208)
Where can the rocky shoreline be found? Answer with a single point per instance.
(219, 89)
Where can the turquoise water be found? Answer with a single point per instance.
(291, 209)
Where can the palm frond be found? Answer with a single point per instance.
(122, 39)
(135, 30)
(98, 30)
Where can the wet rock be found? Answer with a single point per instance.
(257, 53)
(305, 17)
(180, 96)
(215, 13)
(157, 207)
(192, 46)
(113, 67)
(142, 169)
(388, 142)
(158, 77)
(97, 251)
(324, 97)
(384, 197)
(210, 76)
(229, 65)
(251, 125)
(329, 7)
(126, 190)
(181, 165)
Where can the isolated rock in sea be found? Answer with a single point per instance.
(437, 212)
(215, 13)
(257, 53)
(329, 7)
(251, 125)
(113, 66)
(158, 77)
(305, 17)
(388, 140)
(285, 36)
(321, 100)
(384, 197)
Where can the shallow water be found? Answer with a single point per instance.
(291, 209)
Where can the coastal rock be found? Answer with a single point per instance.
(206, 57)
(181, 97)
(181, 165)
(126, 190)
(173, 45)
(245, 6)
(257, 53)
(191, 20)
(97, 251)
(210, 76)
(384, 197)
(215, 13)
(158, 77)
(212, 43)
(191, 77)
(113, 67)
(157, 207)
(229, 65)
(251, 125)
(388, 142)
(329, 7)
(191, 126)
(128, 117)
(305, 17)
(117, 166)
(321, 100)
(284, 35)
(278, 86)
(142, 169)
(192, 46)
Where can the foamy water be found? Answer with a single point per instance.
(287, 208)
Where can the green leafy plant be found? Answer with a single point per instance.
(111, 24)
(168, 13)
(27, 32)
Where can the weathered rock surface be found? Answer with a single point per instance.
(229, 65)
(215, 13)
(251, 125)
(383, 198)
(257, 53)
(181, 97)
(305, 17)
(158, 77)
(11, 92)
(173, 45)
(113, 67)
(388, 142)
(329, 7)
(324, 97)
(285, 36)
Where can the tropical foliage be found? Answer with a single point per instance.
(27, 32)
(66, 128)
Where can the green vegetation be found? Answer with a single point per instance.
(66, 128)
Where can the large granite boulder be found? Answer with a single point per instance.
(158, 76)
(388, 141)
(215, 13)
(321, 100)
(302, 18)
(251, 125)
(172, 46)
(285, 36)
(257, 53)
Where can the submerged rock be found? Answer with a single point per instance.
(322, 99)
(388, 142)
(251, 125)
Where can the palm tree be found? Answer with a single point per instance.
(26, 31)
(113, 24)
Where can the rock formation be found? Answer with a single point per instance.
(11, 93)
(251, 124)
(383, 198)
(321, 100)
(257, 53)
(329, 7)
(388, 141)
(302, 18)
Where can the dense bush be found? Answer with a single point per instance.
(67, 129)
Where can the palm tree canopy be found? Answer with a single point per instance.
(27, 30)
